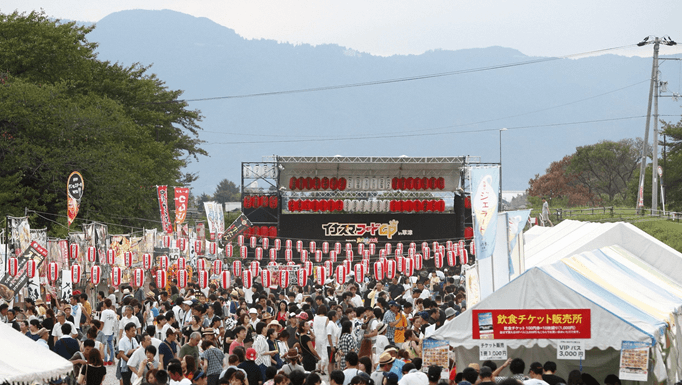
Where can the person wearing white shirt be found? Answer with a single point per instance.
(134, 361)
(76, 311)
(414, 376)
(57, 329)
(44, 335)
(320, 322)
(154, 341)
(355, 298)
(128, 317)
(109, 321)
(127, 346)
(332, 331)
(175, 373)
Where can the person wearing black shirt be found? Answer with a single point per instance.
(549, 376)
(253, 371)
(395, 289)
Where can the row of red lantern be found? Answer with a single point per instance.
(417, 205)
(417, 183)
(259, 202)
(315, 205)
(317, 183)
(262, 231)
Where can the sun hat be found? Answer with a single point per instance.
(253, 311)
(385, 359)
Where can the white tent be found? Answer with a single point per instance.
(620, 310)
(571, 237)
(23, 360)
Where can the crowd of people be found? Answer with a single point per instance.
(357, 333)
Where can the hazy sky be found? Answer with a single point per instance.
(535, 27)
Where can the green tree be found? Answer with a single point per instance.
(226, 191)
(63, 110)
(606, 168)
(671, 165)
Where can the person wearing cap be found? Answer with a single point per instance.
(253, 371)
(253, 317)
(450, 314)
(397, 366)
(381, 341)
(535, 375)
(43, 335)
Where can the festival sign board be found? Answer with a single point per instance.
(633, 362)
(485, 209)
(435, 353)
(531, 324)
(494, 351)
(11, 285)
(239, 225)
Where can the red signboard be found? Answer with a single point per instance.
(531, 324)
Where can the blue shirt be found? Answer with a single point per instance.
(167, 351)
(67, 347)
(396, 368)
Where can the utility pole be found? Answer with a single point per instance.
(654, 92)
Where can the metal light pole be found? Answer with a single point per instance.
(500, 160)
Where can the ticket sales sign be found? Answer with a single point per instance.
(568, 324)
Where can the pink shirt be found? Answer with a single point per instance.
(235, 344)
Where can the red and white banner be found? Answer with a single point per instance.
(181, 200)
(532, 324)
(162, 194)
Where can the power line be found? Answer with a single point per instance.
(329, 139)
(397, 80)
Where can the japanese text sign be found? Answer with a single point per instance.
(531, 324)
(495, 351)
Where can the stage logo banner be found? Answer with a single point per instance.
(181, 196)
(240, 224)
(532, 324)
(10, 285)
(74, 193)
(485, 209)
(162, 193)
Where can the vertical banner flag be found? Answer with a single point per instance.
(162, 193)
(214, 214)
(485, 208)
(181, 197)
(74, 193)
(20, 236)
(240, 224)
(516, 221)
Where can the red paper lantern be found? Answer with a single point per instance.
(95, 274)
(111, 257)
(472, 249)
(265, 242)
(382, 253)
(318, 256)
(52, 271)
(292, 183)
(449, 245)
(312, 246)
(320, 276)
(182, 263)
(258, 253)
(91, 254)
(181, 244)
(348, 265)
(411, 252)
(277, 244)
(161, 279)
(116, 274)
(163, 262)
(283, 279)
(225, 279)
(203, 278)
(247, 278)
(272, 202)
(166, 241)
(358, 273)
(308, 267)
(379, 271)
(265, 278)
(75, 273)
(138, 277)
(182, 277)
(452, 258)
(255, 268)
(147, 261)
(201, 265)
(272, 254)
(217, 267)
(240, 240)
(128, 259)
(340, 274)
(299, 245)
(349, 254)
(288, 255)
(325, 247)
(409, 267)
(73, 251)
(243, 251)
(334, 184)
(252, 242)
(333, 256)
(366, 266)
(400, 262)
(372, 249)
(348, 247)
(418, 261)
(463, 256)
(30, 268)
(341, 184)
(288, 244)
(387, 247)
(391, 269)
(366, 255)
(426, 252)
(237, 268)
(329, 266)
(438, 260)
(469, 233)
(212, 248)
(228, 250)
(337, 248)
(246, 203)
(304, 255)
(361, 249)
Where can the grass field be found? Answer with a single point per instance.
(667, 231)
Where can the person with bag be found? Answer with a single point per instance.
(370, 332)
(309, 355)
(93, 372)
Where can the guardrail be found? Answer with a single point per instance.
(610, 211)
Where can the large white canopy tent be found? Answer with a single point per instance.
(24, 361)
(627, 303)
(571, 237)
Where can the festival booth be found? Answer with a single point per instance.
(598, 303)
(24, 361)
(570, 237)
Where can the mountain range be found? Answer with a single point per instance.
(549, 105)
